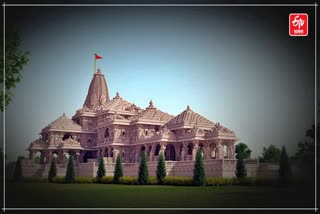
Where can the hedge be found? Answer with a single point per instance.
(168, 180)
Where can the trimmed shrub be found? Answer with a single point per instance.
(70, 174)
(241, 171)
(101, 170)
(152, 180)
(285, 170)
(85, 180)
(178, 181)
(217, 181)
(106, 180)
(143, 170)
(118, 171)
(35, 179)
(53, 170)
(17, 174)
(161, 169)
(199, 174)
(59, 179)
(128, 180)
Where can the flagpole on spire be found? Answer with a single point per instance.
(96, 56)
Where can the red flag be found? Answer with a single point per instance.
(97, 56)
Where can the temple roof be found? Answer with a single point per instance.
(189, 118)
(152, 113)
(98, 91)
(63, 123)
(119, 104)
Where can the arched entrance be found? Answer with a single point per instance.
(88, 155)
(170, 152)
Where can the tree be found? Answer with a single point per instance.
(53, 170)
(270, 154)
(199, 174)
(161, 169)
(143, 170)
(242, 151)
(241, 171)
(14, 62)
(36, 160)
(17, 173)
(118, 171)
(70, 174)
(285, 170)
(101, 169)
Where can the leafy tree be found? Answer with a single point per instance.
(53, 170)
(270, 154)
(101, 169)
(70, 174)
(242, 151)
(241, 171)
(118, 171)
(285, 170)
(199, 174)
(143, 170)
(36, 160)
(17, 173)
(161, 169)
(14, 62)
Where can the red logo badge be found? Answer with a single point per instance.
(298, 24)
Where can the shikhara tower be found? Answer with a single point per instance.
(111, 127)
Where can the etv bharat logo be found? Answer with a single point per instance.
(298, 24)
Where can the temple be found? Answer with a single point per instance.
(108, 127)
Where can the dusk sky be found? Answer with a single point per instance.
(231, 65)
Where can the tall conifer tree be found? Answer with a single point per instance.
(199, 174)
(143, 170)
(161, 169)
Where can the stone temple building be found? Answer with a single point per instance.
(108, 127)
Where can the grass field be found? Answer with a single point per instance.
(108, 195)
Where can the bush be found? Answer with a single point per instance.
(128, 180)
(106, 180)
(285, 170)
(217, 181)
(35, 179)
(101, 170)
(178, 181)
(152, 180)
(118, 171)
(52, 170)
(199, 174)
(17, 173)
(85, 180)
(59, 179)
(161, 169)
(143, 170)
(70, 174)
(241, 171)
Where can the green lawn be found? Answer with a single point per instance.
(108, 195)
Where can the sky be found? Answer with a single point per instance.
(235, 66)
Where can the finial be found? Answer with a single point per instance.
(64, 114)
(117, 96)
(151, 104)
(188, 108)
(99, 70)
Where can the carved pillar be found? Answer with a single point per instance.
(78, 157)
(49, 157)
(219, 150)
(151, 153)
(206, 150)
(162, 149)
(184, 152)
(115, 154)
(137, 154)
(194, 151)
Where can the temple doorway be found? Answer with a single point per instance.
(170, 152)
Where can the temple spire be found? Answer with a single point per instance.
(97, 92)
